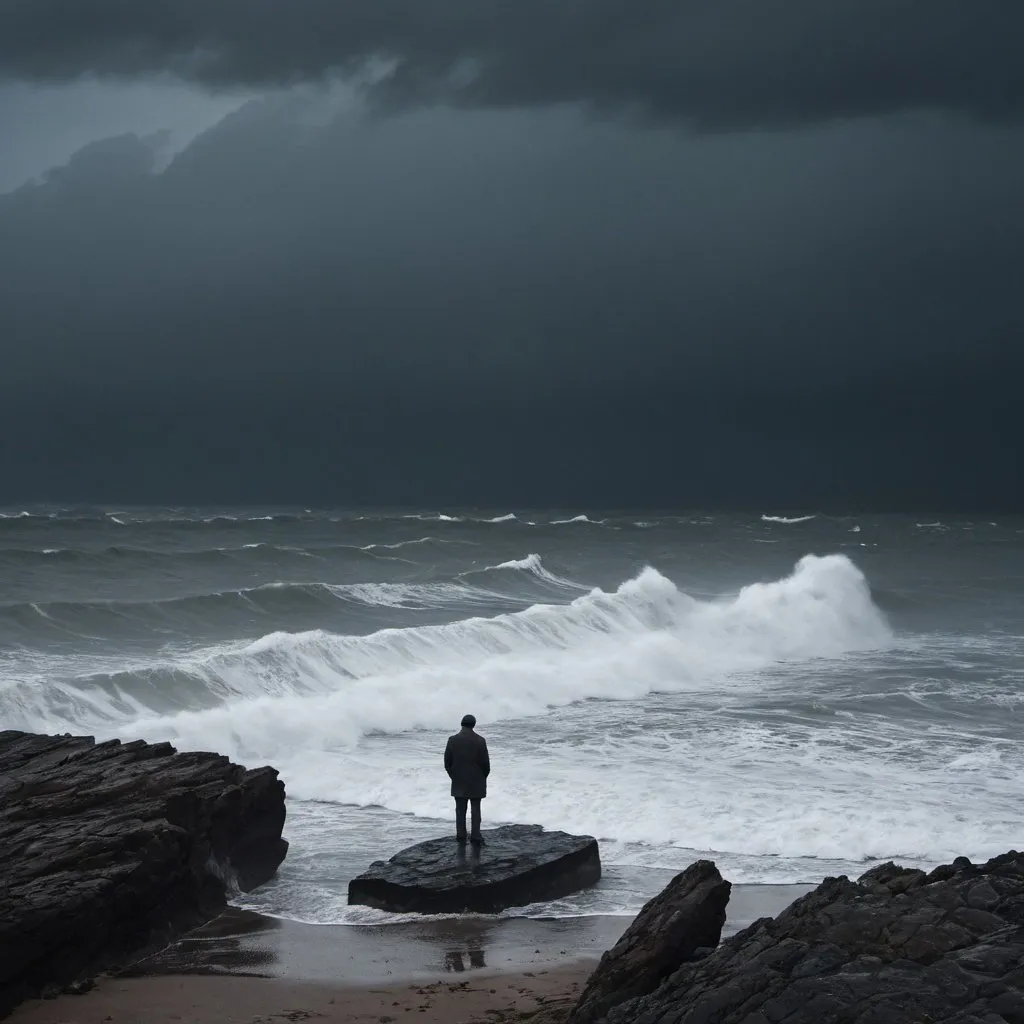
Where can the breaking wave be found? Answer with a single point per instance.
(288, 692)
(788, 520)
(533, 566)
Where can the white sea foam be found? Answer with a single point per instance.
(576, 519)
(531, 562)
(722, 793)
(510, 518)
(389, 595)
(413, 595)
(787, 520)
(402, 543)
(305, 691)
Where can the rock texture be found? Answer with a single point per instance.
(110, 849)
(896, 947)
(519, 864)
(681, 923)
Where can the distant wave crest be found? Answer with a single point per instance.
(533, 565)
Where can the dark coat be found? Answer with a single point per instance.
(467, 763)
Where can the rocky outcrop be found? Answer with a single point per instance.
(112, 849)
(518, 865)
(683, 922)
(896, 947)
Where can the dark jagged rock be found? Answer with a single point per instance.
(684, 920)
(112, 849)
(520, 864)
(896, 947)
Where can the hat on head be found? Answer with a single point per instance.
(468, 721)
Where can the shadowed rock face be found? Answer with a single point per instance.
(896, 947)
(114, 848)
(682, 922)
(520, 864)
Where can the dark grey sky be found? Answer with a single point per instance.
(672, 252)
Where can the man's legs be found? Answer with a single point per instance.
(460, 817)
(475, 834)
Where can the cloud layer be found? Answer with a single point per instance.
(721, 65)
(521, 306)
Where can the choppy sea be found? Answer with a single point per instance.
(791, 695)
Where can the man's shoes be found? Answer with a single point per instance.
(461, 840)
(478, 840)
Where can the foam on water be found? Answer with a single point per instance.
(405, 543)
(787, 520)
(317, 688)
(534, 566)
(413, 595)
(847, 820)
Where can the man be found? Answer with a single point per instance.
(467, 763)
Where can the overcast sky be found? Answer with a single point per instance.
(547, 252)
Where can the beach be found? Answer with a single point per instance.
(248, 968)
(205, 1000)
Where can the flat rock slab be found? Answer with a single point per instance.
(518, 865)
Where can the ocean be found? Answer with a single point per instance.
(791, 695)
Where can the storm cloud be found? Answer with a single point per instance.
(784, 270)
(518, 307)
(714, 64)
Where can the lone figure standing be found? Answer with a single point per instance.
(467, 763)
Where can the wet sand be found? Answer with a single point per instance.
(184, 999)
(248, 968)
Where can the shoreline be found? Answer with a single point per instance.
(242, 942)
(248, 968)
